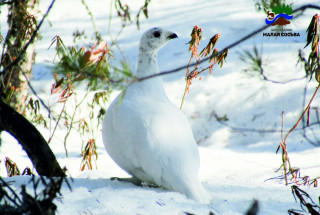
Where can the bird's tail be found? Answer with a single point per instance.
(200, 194)
(197, 192)
(189, 186)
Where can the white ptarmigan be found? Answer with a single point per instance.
(147, 135)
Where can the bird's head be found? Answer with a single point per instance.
(154, 39)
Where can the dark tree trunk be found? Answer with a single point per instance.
(31, 141)
(22, 23)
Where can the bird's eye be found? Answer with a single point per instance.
(156, 34)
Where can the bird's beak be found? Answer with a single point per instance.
(172, 36)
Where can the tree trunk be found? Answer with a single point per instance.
(31, 141)
(22, 23)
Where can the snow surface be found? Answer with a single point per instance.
(234, 164)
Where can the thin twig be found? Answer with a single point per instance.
(304, 112)
(71, 123)
(98, 36)
(187, 81)
(5, 184)
(255, 130)
(279, 82)
(34, 92)
(283, 144)
(58, 120)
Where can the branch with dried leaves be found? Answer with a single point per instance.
(209, 50)
(313, 67)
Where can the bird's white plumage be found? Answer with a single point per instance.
(148, 136)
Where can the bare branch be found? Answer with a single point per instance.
(222, 121)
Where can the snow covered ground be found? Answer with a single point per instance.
(234, 164)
